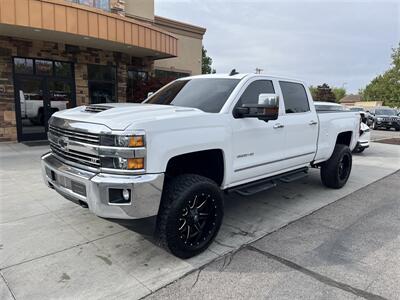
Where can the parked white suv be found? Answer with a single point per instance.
(174, 155)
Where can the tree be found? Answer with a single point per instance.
(339, 93)
(206, 63)
(323, 93)
(318, 92)
(386, 87)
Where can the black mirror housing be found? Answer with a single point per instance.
(267, 108)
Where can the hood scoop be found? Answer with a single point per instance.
(97, 108)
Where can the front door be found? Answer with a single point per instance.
(31, 107)
(258, 146)
(42, 87)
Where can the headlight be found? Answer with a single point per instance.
(379, 119)
(120, 163)
(122, 140)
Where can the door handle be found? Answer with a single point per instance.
(312, 122)
(278, 125)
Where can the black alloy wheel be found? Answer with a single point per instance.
(344, 167)
(336, 170)
(198, 220)
(190, 215)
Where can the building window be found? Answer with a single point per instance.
(41, 67)
(23, 65)
(137, 85)
(44, 67)
(102, 84)
(170, 74)
(102, 4)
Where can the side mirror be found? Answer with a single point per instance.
(267, 108)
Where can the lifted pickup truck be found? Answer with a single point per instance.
(175, 154)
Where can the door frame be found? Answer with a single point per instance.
(46, 95)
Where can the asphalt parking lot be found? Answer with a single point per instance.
(51, 248)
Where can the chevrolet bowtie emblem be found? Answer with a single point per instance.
(63, 143)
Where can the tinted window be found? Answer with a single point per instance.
(62, 69)
(102, 73)
(250, 95)
(44, 67)
(383, 112)
(23, 65)
(206, 94)
(294, 97)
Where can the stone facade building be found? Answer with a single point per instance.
(57, 54)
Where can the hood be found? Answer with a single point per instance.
(118, 116)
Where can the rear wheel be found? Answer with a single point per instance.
(336, 171)
(190, 215)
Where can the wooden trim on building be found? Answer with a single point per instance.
(76, 19)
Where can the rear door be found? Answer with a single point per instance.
(301, 124)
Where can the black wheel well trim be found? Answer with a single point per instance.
(192, 164)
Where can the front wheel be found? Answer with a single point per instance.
(336, 171)
(190, 215)
(374, 126)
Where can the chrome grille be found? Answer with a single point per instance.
(73, 135)
(75, 156)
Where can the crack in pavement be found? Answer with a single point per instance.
(319, 277)
(197, 277)
(8, 287)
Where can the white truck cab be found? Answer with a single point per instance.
(175, 154)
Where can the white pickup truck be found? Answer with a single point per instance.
(174, 155)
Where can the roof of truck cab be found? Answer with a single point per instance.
(239, 76)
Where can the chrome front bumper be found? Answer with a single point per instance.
(93, 189)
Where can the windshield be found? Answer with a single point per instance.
(207, 94)
(385, 112)
(357, 109)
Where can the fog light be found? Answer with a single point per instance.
(119, 196)
(125, 194)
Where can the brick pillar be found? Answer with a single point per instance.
(122, 81)
(81, 84)
(8, 127)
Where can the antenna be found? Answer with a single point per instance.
(258, 70)
(233, 72)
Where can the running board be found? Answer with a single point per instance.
(262, 185)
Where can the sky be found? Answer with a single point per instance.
(342, 43)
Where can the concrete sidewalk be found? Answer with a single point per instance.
(51, 248)
(347, 250)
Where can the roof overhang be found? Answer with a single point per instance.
(65, 22)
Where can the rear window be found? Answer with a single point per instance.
(294, 97)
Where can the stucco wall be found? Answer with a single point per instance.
(189, 56)
(143, 9)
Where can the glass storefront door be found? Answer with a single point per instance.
(42, 87)
(31, 100)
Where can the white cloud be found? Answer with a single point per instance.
(318, 41)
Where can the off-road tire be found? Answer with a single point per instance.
(178, 194)
(332, 173)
